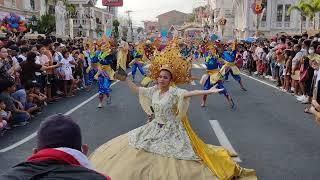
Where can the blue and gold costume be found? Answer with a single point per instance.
(94, 67)
(138, 60)
(230, 66)
(214, 75)
(105, 74)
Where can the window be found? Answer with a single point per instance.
(279, 12)
(287, 16)
(264, 16)
(32, 5)
(304, 18)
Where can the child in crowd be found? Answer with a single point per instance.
(39, 98)
(4, 116)
(67, 74)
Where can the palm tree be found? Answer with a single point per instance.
(303, 9)
(313, 7)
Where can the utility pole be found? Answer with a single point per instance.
(130, 23)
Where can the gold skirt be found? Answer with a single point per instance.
(121, 161)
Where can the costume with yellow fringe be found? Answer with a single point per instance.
(230, 65)
(105, 73)
(213, 76)
(166, 148)
(139, 59)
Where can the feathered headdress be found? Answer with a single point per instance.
(171, 60)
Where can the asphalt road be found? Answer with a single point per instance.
(268, 129)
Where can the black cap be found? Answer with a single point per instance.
(59, 131)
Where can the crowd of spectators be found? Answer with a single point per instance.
(292, 62)
(35, 73)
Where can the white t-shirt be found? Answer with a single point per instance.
(259, 53)
(298, 57)
(66, 69)
(43, 59)
(70, 58)
(317, 76)
(22, 57)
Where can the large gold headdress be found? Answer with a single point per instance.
(172, 61)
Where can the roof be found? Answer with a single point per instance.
(170, 12)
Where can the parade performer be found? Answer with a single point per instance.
(213, 77)
(229, 56)
(105, 73)
(94, 63)
(138, 61)
(122, 55)
(166, 147)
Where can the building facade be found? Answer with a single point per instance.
(26, 8)
(171, 18)
(275, 19)
(219, 9)
(88, 20)
(150, 26)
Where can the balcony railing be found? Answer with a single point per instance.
(279, 24)
(287, 24)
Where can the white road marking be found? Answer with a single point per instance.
(196, 66)
(223, 139)
(31, 136)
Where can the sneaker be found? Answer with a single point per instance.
(20, 124)
(100, 105)
(305, 100)
(8, 127)
(299, 98)
(59, 92)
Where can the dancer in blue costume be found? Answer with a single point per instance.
(229, 56)
(137, 61)
(213, 77)
(94, 66)
(105, 75)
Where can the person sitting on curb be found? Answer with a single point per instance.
(59, 154)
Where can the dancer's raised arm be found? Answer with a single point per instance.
(202, 92)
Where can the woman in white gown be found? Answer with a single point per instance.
(166, 148)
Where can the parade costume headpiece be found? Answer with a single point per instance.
(171, 60)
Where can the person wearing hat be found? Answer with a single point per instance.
(59, 154)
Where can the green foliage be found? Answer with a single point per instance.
(307, 9)
(69, 7)
(115, 31)
(46, 24)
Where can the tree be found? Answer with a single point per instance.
(69, 7)
(303, 9)
(115, 25)
(313, 7)
(46, 24)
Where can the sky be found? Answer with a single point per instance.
(149, 9)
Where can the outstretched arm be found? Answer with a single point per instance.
(202, 92)
(134, 88)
